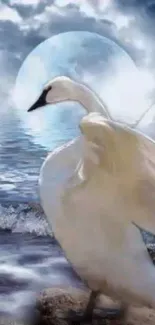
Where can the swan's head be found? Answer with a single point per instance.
(57, 90)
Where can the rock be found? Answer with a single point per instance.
(55, 302)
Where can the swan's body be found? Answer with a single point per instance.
(92, 191)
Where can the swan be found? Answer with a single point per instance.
(95, 191)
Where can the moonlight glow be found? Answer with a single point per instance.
(87, 57)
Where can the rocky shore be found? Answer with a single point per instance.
(55, 302)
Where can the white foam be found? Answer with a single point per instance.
(23, 219)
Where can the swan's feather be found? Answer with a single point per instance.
(127, 168)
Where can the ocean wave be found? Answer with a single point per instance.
(23, 218)
(28, 217)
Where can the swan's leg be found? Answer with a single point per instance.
(79, 317)
(123, 313)
(91, 303)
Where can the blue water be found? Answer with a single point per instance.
(30, 260)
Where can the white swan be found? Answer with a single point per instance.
(93, 190)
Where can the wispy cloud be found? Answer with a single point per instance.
(9, 14)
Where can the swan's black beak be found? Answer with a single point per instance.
(41, 101)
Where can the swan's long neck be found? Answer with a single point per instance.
(87, 98)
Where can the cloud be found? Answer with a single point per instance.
(26, 23)
(107, 18)
(9, 14)
(25, 2)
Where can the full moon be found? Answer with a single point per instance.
(88, 58)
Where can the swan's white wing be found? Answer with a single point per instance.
(127, 170)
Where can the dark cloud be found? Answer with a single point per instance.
(29, 10)
(136, 5)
